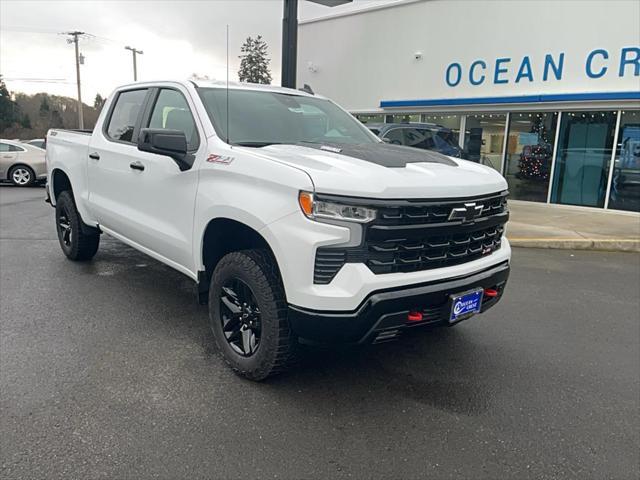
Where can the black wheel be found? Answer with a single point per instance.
(76, 243)
(248, 315)
(22, 176)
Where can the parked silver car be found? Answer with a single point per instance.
(38, 142)
(21, 163)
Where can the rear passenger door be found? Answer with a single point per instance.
(110, 153)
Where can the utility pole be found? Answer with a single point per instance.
(135, 66)
(289, 43)
(74, 39)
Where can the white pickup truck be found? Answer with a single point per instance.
(296, 222)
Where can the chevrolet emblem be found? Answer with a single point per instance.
(468, 213)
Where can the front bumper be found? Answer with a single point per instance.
(383, 314)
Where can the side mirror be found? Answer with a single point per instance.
(161, 141)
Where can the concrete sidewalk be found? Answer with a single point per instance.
(539, 225)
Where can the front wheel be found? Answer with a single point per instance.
(248, 315)
(22, 176)
(75, 243)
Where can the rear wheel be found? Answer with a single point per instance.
(75, 243)
(248, 315)
(22, 176)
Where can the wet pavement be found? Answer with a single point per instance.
(107, 370)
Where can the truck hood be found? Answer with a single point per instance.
(380, 170)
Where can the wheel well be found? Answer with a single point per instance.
(223, 236)
(60, 183)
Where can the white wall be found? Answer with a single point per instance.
(363, 58)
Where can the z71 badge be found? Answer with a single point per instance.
(223, 159)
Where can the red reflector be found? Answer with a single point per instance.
(414, 316)
(490, 292)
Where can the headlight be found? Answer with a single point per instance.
(315, 208)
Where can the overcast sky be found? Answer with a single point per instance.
(178, 38)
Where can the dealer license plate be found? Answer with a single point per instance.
(465, 305)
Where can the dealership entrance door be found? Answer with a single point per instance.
(583, 158)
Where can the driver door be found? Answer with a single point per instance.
(163, 197)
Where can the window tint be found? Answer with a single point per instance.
(4, 147)
(172, 112)
(419, 138)
(124, 115)
(395, 136)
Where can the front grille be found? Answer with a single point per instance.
(409, 236)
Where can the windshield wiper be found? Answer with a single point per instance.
(256, 144)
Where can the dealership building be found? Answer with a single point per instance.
(546, 92)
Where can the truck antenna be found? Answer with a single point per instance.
(228, 84)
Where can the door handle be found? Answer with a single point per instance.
(94, 156)
(136, 165)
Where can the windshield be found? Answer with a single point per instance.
(260, 118)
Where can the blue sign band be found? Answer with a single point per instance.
(558, 97)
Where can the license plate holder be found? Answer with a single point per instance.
(465, 304)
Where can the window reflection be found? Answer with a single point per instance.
(584, 152)
(529, 154)
(450, 122)
(484, 138)
(625, 183)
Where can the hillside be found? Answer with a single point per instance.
(37, 113)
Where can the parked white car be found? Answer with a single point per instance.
(22, 164)
(295, 221)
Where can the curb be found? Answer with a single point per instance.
(597, 244)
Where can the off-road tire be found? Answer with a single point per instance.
(79, 245)
(278, 348)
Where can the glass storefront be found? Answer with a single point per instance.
(625, 180)
(584, 148)
(370, 118)
(484, 139)
(581, 172)
(405, 118)
(530, 154)
(450, 122)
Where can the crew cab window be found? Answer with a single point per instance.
(171, 111)
(125, 115)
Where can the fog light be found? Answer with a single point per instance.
(414, 316)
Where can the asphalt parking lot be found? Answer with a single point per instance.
(107, 370)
